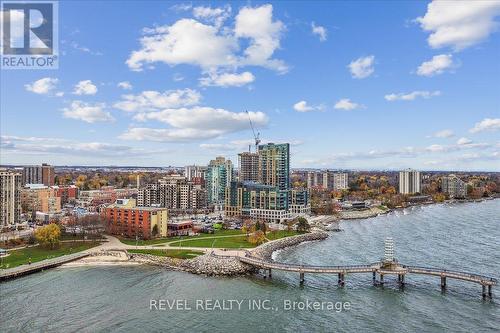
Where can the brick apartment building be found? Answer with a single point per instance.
(124, 218)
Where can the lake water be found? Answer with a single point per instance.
(454, 236)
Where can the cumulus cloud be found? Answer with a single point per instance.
(362, 67)
(319, 31)
(346, 104)
(86, 112)
(187, 41)
(151, 100)
(43, 86)
(302, 106)
(447, 133)
(215, 15)
(190, 124)
(227, 79)
(125, 85)
(211, 46)
(85, 87)
(459, 24)
(411, 96)
(437, 65)
(487, 124)
(205, 118)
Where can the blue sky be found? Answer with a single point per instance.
(164, 83)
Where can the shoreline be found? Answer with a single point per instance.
(208, 264)
(390, 210)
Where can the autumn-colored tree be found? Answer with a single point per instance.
(391, 190)
(248, 227)
(289, 225)
(48, 235)
(439, 197)
(257, 237)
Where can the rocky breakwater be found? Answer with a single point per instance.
(207, 264)
(265, 251)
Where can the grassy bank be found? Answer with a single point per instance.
(180, 254)
(235, 242)
(155, 241)
(39, 253)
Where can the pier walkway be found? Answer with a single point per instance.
(6, 274)
(381, 268)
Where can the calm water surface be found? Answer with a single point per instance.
(116, 299)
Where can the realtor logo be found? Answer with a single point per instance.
(29, 35)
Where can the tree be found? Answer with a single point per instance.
(48, 235)
(257, 237)
(289, 225)
(247, 227)
(263, 227)
(155, 230)
(302, 225)
(439, 197)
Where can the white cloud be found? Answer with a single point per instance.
(153, 100)
(437, 65)
(303, 107)
(214, 15)
(464, 141)
(177, 77)
(125, 85)
(436, 148)
(195, 123)
(187, 41)
(81, 48)
(319, 31)
(346, 104)
(205, 118)
(459, 24)
(227, 79)
(89, 113)
(486, 124)
(37, 145)
(411, 96)
(362, 67)
(85, 87)
(42, 86)
(256, 24)
(447, 133)
(210, 46)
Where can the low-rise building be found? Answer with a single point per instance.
(180, 228)
(125, 218)
(68, 194)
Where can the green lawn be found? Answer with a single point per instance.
(155, 241)
(235, 242)
(180, 254)
(272, 235)
(38, 253)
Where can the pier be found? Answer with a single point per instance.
(11, 273)
(381, 269)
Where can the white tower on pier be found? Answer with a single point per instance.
(389, 249)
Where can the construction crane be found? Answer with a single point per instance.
(256, 136)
